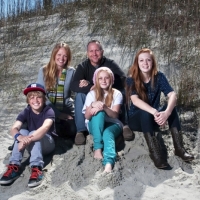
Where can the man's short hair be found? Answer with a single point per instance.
(95, 41)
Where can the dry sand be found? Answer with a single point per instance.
(72, 173)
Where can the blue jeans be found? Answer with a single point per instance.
(36, 149)
(79, 116)
(104, 135)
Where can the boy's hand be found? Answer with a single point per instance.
(21, 146)
(24, 141)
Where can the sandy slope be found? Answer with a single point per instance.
(72, 173)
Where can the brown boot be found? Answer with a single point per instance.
(80, 138)
(155, 151)
(128, 133)
(178, 145)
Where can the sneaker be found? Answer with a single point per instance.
(128, 134)
(80, 138)
(12, 173)
(36, 176)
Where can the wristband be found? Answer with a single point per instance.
(17, 135)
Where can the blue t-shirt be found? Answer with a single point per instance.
(161, 84)
(35, 121)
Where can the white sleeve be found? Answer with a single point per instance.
(117, 98)
(89, 99)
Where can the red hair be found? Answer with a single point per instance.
(50, 70)
(137, 76)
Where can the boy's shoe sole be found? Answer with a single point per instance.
(12, 173)
(34, 183)
(36, 177)
(5, 182)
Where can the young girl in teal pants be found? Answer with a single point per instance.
(101, 111)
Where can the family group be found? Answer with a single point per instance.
(107, 104)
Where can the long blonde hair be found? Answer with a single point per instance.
(50, 70)
(99, 94)
(137, 76)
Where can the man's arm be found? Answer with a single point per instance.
(78, 76)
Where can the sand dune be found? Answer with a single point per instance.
(72, 172)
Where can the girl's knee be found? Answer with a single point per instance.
(100, 114)
(145, 114)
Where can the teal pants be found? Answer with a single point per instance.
(104, 134)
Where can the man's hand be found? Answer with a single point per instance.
(83, 83)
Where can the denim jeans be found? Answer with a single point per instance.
(36, 149)
(79, 116)
(143, 121)
(104, 135)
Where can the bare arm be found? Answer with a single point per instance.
(39, 133)
(142, 105)
(88, 112)
(15, 128)
(161, 117)
(93, 109)
(97, 106)
(23, 140)
(114, 112)
(172, 99)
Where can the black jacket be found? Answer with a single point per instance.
(86, 71)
